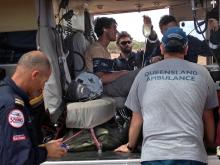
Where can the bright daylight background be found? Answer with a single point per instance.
(132, 23)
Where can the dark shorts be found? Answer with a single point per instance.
(172, 162)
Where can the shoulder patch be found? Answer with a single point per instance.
(19, 102)
(16, 118)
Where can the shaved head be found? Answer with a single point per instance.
(32, 72)
(34, 60)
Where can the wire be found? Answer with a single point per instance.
(73, 136)
(38, 26)
(63, 4)
(195, 20)
(197, 27)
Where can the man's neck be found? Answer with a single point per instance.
(19, 82)
(104, 41)
(124, 55)
(173, 55)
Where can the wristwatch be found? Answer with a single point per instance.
(130, 148)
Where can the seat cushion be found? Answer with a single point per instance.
(90, 113)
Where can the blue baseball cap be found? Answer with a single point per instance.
(174, 34)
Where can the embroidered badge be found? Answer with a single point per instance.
(16, 118)
(18, 137)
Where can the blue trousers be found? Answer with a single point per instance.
(172, 162)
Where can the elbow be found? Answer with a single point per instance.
(209, 142)
(209, 128)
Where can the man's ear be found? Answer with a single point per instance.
(185, 51)
(35, 74)
(162, 49)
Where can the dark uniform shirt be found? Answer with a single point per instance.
(195, 47)
(133, 61)
(18, 144)
(214, 44)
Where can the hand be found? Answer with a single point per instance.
(213, 24)
(155, 59)
(147, 26)
(147, 20)
(54, 149)
(140, 51)
(122, 148)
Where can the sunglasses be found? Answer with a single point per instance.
(125, 42)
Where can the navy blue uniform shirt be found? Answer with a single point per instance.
(18, 144)
(195, 47)
(133, 61)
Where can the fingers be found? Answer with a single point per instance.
(118, 149)
(122, 148)
(155, 59)
(57, 141)
(62, 152)
(60, 140)
(55, 149)
(58, 153)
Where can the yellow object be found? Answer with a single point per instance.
(19, 101)
(36, 100)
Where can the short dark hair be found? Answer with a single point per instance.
(164, 20)
(103, 22)
(174, 46)
(123, 34)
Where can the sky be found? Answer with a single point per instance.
(133, 22)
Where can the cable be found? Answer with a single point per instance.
(197, 24)
(89, 32)
(38, 26)
(197, 27)
(63, 4)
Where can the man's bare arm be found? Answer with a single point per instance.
(209, 127)
(135, 128)
(110, 77)
(134, 131)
